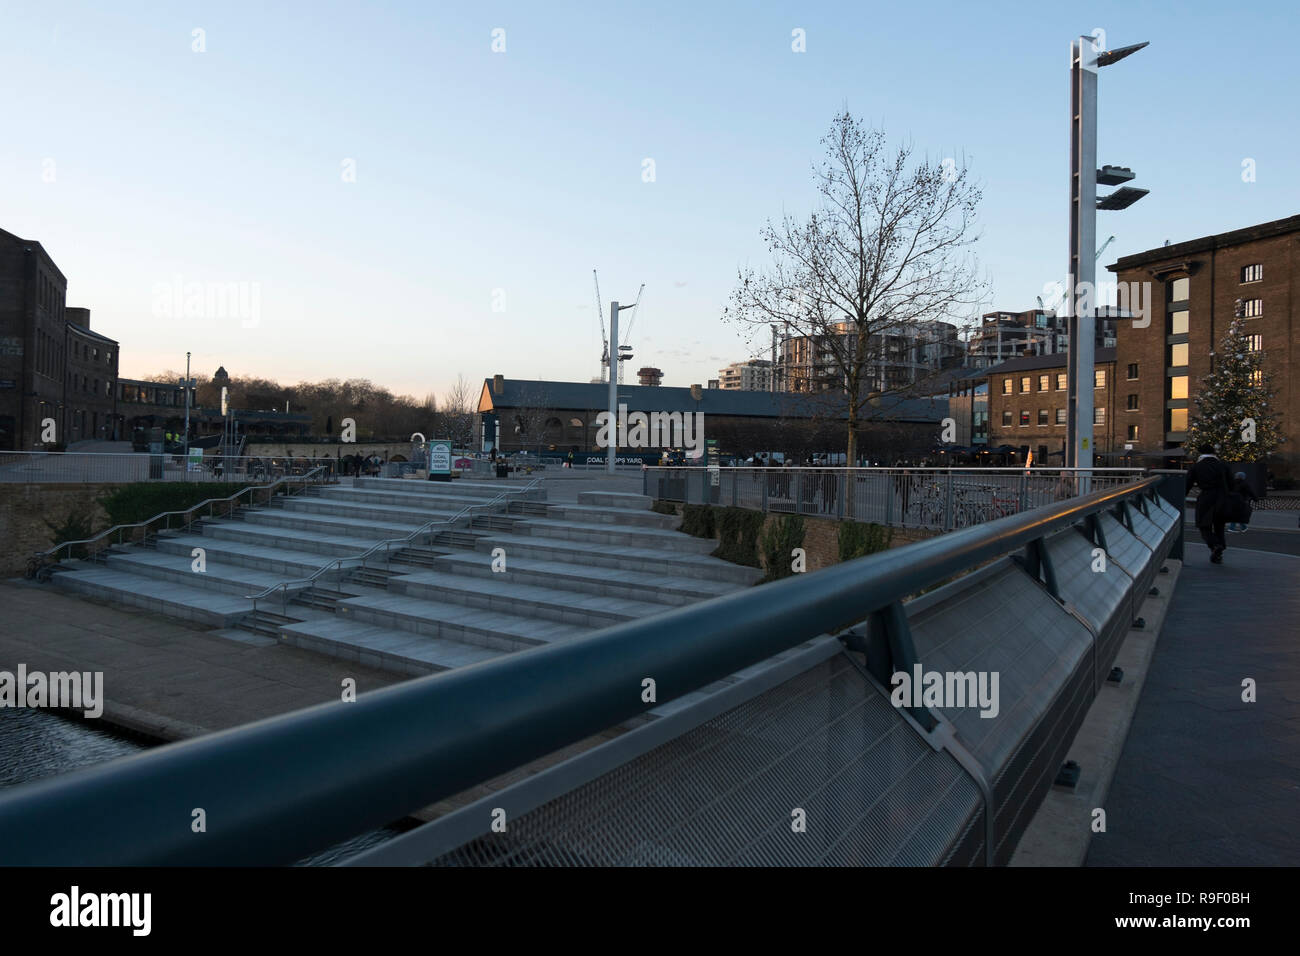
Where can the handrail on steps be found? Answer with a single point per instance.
(303, 584)
(41, 558)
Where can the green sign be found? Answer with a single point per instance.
(439, 458)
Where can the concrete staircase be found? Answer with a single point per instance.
(570, 569)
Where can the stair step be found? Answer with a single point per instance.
(669, 590)
(624, 517)
(603, 532)
(179, 569)
(493, 629)
(509, 595)
(615, 499)
(331, 546)
(211, 608)
(631, 559)
(381, 647)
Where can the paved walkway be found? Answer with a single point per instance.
(1206, 779)
(161, 676)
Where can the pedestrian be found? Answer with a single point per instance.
(1215, 481)
(1240, 499)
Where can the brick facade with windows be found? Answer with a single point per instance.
(1009, 405)
(1209, 276)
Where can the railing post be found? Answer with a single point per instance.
(889, 499)
(839, 499)
(947, 505)
(764, 491)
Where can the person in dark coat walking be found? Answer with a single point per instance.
(1215, 480)
(1240, 486)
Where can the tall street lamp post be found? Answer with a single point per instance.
(1086, 58)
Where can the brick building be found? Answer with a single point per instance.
(1027, 406)
(1196, 289)
(32, 341)
(523, 414)
(90, 382)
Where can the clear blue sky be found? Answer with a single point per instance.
(521, 171)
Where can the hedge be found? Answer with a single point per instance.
(779, 540)
(140, 501)
(857, 539)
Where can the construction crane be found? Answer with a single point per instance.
(1060, 298)
(604, 340)
(625, 350)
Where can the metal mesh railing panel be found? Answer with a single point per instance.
(724, 793)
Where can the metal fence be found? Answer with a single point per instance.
(45, 467)
(942, 499)
(799, 717)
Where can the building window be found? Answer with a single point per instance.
(1255, 343)
(1060, 416)
(1024, 385)
(1253, 308)
(1132, 433)
(1180, 290)
(1024, 418)
(1044, 383)
(1178, 387)
(1042, 416)
(1006, 386)
(1099, 378)
(1061, 379)
(1099, 415)
(1178, 355)
(1252, 273)
(1133, 372)
(1006, 419)
(1257, 377)
(1178, 419)
(1178, 322)
(1131, 403)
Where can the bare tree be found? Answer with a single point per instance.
(858, 281)
(458, 407)
(529, 419)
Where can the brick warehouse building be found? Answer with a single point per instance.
(523, 414)
(1027, 406)
(1195, 290)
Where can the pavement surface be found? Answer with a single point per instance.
(1206, 778)
(163, 677)
(1273, 531)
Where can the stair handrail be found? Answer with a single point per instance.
(43, 557)
(302, 584)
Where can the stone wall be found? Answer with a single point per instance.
(24, 509)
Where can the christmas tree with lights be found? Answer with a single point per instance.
(1234, 406)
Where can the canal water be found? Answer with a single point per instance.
(38, 743)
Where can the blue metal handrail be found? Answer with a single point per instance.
(273, 791)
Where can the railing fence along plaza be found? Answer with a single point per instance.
(943, 499)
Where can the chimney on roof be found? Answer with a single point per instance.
(697, 391)
(498, 385)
